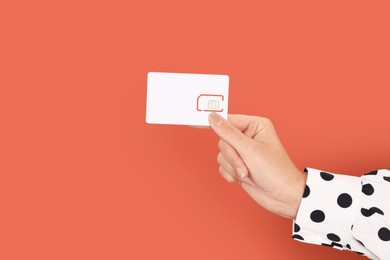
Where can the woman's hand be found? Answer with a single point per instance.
(252, 155)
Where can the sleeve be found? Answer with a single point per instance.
(346, 212)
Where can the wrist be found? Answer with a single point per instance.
(294, 194)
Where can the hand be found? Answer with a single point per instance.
(252, 155)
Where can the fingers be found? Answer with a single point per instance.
(230, 173)
(230, 157)
(224, 163)
(226, 174)
(230, 134)
(236, 144)
(228, 167)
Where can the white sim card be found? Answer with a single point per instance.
(185, 98)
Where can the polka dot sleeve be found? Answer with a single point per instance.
(346, 212)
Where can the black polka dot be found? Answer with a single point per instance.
(359, 253)
(307, 191)
(333, 237)
(371, 211)
(368, 189)
(317, 216)
(384, 234)
(297, 237)
(360, 242)
(386, 178)
(296, 227)
(333, 245)
(351, 227)
(344, 200)
(348, 246)
(372, 173)
(326, 176)
(305, 170)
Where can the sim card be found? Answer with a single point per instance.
(210, 103)
(185, 98)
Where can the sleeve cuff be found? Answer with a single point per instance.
(328, 209)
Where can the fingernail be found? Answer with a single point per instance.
(249, 181)
(215, 119)
(231, 180)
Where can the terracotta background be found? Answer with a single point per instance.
(83, 176)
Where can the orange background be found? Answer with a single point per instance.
(83, 176)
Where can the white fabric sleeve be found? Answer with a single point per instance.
(346, 212)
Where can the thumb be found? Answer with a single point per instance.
(230, 134)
